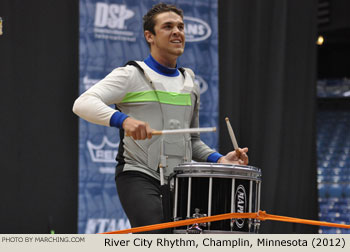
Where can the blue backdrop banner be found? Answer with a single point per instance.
(111, 34)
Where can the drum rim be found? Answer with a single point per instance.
(256, 178)
(202, 166)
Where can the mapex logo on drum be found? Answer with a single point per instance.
(196, 29)
(110, 22)
(241, 204)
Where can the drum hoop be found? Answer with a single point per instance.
(227, 169)
(228, 176)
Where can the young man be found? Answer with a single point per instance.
(154, 94)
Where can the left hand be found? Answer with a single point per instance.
(235, 157)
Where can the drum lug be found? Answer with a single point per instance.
(196, 228)
(256, 226)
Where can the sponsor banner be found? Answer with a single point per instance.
(175, 242)
(111, 34)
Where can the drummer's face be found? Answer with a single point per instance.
(168, 42)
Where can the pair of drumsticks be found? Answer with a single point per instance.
(199, 130)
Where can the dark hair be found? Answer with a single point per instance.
(148, 19)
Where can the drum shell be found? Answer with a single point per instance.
(217, 189)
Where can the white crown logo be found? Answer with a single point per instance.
(104, 152)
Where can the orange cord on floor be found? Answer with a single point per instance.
(261, 215)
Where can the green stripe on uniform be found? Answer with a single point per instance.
(164, 97)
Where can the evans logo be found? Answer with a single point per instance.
(241, 204)
(196, 29)
(104, 152)
(112, 16)
(203, 85)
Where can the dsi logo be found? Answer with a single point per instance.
(196, 29)
(110, 22)
(112, 16)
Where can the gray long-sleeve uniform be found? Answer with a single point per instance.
(165, 102)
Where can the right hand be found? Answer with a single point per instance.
(238, 156)
(136, 129)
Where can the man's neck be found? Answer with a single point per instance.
(159, 68)
(165, 61)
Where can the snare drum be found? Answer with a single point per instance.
(206, 189)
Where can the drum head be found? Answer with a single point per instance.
(217, 170)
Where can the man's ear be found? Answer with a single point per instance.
(149, 36)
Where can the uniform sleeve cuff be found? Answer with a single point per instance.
(117, 119)
(214, 157)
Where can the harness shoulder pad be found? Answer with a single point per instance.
(182, 71)
(134, 63)
(188, 70)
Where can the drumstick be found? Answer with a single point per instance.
(232, 135)
(181, 131)
(0, 26)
